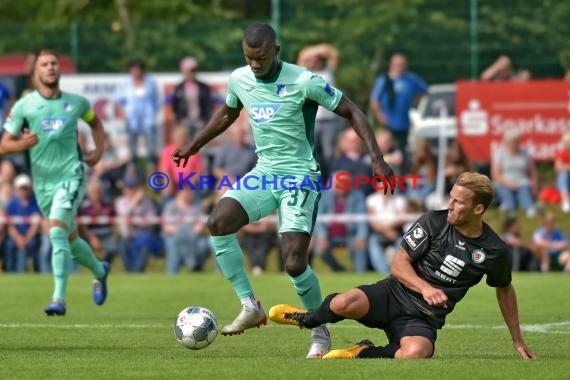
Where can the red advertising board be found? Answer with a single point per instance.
(538, 110)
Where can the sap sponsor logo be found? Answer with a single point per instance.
(53, 124)
(415, 236)
(263, 112)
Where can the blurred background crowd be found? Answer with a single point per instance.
(358, 230)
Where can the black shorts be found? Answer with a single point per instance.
(389, 314)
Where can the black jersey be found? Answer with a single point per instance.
(452, 262)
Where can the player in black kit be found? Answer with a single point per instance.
(442, 255)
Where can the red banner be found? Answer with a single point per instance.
(538, 110)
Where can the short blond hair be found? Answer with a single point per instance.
(479, 184)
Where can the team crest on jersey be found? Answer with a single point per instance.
(281, 90)
(53, 124)
(478, 256)
(68, 107)
(263, 112)
(415, 236)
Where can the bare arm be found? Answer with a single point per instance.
(377, 111)
(220, 121)
(403, 271)
(13, 144)
(327, 51)
(98, 133)
(508, 303)
(360, 124)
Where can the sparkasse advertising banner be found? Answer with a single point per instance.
(538, 110)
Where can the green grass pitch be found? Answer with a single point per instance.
(131, 335)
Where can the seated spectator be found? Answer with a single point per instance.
(392, 154)
(111, 168)
(525, 256)
(389, 214)
(183, 233)
(456, 162)
(352, 158)
(562, 168)
(100, 235)
(553, 246)
(258, 239)
(337, 202)
(514, 175)
(23, 240)
(195, 165)
(139, 238)
(235, 158)
(424, 164)
(502, 69)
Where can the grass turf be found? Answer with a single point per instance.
(131, 335)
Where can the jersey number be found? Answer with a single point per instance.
(295, 197)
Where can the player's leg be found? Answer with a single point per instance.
(415, 347)
(236, 209)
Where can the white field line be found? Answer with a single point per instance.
(545, 328)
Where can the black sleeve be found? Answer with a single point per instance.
(417, 240)
(499, 270)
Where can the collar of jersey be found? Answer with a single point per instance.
(43, 97)
(274, 77)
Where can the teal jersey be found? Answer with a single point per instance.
(56, 157)
(282, 116)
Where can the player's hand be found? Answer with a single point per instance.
(525, 352)
(92, 157)
(182, 153)
(29, 139)
(435, 297)
(382, 169)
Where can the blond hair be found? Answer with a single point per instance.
(479, 184)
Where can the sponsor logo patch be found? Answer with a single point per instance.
(263, 112)
(415, 236)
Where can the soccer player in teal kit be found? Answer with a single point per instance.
(281, 100)
(45, 124)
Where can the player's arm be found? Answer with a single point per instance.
(347, 109)
(508, 303)
(12, 144)
(405, 273)
(98, 132)
(220, 121)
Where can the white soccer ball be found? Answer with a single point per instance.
(196, 327)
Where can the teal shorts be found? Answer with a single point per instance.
(261, 194)
(60, 201)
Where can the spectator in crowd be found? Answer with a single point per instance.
(353, 159)
(183, 233)
(138, 233)
(235, 158)
(392, 154)
(553, 245)
(340, 200)
(180, 136)
(258, 239)
(562, 168)
(6, 102)
(23, 240)
(323, 59)
(525, 255)
(456, 162)
(140, 105)
(99, 234)
(394, 94)
(110, 170)
(388, 216)
(502, 69)
(24, 83)
(515, 176)
(424, 165)
(191, 100)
